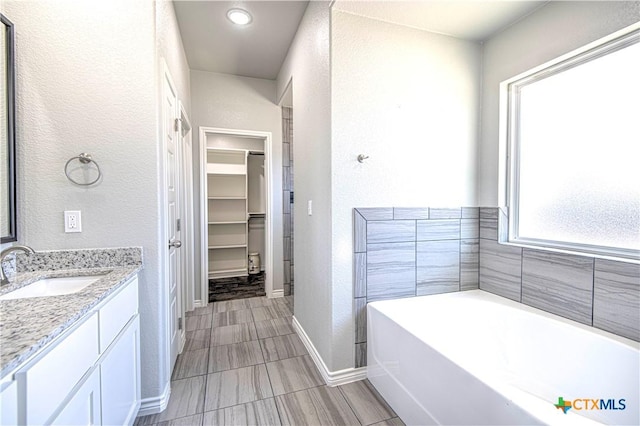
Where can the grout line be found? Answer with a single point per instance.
(353, 410)
(415, 258)
(593, 289)
(264, 362)
(460, 259)
(521, 271)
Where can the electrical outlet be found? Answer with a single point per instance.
(72, 221)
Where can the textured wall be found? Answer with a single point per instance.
(170, 48)
(85, 83)
(307, 67)
(408, 99)
(551, 31)
(232, 102)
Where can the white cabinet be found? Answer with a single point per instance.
(47, 380)
(84, 407)
(227, 239)
(8, 402)
(120, 378)
(89, 375)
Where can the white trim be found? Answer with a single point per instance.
(155, 404)
(188, 217)
(331, 378)
(270, 207)
(277, 293)
(199, 303)
(510, 145)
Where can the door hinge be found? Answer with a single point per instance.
(177, 224)
(180, 323)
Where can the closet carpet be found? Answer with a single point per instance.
(236, 288)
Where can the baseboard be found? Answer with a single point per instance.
(276, 293)
(331, 378)
(183, 341)
(155, 404)
(199, 303)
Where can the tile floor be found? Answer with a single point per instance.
(243, 364)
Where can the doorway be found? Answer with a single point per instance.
(288, 198)
(236, 207)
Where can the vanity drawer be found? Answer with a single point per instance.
(46, 381)
(115, 315)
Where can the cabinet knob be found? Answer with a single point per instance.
(175, 243)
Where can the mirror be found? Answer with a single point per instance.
(7, 134)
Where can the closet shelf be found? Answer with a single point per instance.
(219, 273)
(230, 222)
(226, 198)
(220, 173)
(227, 246)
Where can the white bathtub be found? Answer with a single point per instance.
(476, 358)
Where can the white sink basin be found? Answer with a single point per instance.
(52, 287)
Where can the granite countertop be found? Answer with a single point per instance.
(27, 325)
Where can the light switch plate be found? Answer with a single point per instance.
(310, 207)
(72, 221)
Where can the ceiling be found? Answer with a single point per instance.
(213, 43)
(467, 19)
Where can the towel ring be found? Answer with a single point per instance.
(84, 158)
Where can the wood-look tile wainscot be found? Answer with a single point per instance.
(257, 371)
(405, 252)
(616, 299)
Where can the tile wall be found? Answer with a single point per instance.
(405, 252)
(287, 187)
(597, 292)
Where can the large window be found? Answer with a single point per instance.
(573, 134)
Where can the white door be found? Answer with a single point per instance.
(172, 185)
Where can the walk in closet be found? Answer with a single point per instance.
(235, 208)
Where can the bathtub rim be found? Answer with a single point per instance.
(381, 306)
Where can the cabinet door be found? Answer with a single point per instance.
(46, 382)
(9, 404)
(84, 407)
(120, 374)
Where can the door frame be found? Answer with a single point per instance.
(186, 217)
(269, 207)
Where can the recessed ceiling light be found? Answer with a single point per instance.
(239, 16)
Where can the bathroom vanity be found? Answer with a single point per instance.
(72, 358)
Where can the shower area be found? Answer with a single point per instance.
(288, 198)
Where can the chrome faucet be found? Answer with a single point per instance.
(4, 253)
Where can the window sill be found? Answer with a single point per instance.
(565, 250)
